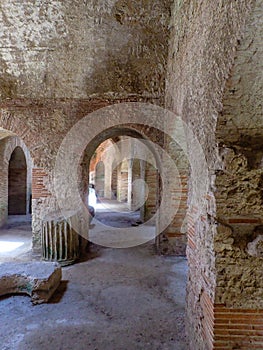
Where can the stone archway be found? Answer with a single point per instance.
(14, 159)
(17, 183)
(121, 138)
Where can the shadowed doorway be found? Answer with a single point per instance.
(17, 183)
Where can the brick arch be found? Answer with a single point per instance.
(99, 156)
(173, 239)
(16, 126)
(114, 135)
(17, 183)
(8, 143)
(133, 130)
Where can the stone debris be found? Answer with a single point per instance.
(255, 248)
(37, 279)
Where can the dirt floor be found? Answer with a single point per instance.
(113, 299)
(115, 226)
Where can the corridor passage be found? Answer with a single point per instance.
(116, 299)
(115, 226)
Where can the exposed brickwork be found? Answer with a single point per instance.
(201, 283)
(207, 321)
(151, 178)
(49, 81)
(39, 188)
(228, 328)
(237, 328)
(206, 49)
(17, 195)
(8, 144)
(244, 221)
(176, 231)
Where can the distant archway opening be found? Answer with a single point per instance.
(126, 187)
(17, 183)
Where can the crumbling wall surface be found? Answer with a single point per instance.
(239, 196)
(214, 83)
(76, 49)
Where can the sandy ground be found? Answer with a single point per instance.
(114, 299)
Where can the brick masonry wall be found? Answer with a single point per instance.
(39, 184)
(237, 328)
(43, 203)
(136, 192)
(28, 119)
(201, 283)
(229, 328)
(175, 235)
(240, 181)
(122, 189)
(48, 84)
(114, 183)
(208, 43)
(8, 143)
(151, 179)
(17, 191)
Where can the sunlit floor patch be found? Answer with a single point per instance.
(6, 246)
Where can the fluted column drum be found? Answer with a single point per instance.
(59, 241)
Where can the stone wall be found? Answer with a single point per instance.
(213, 79)
(240, 194)
(60, 60)
(78, 49)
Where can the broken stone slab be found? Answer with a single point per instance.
(37, 279)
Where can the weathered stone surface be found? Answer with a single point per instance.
(37, 279)
(239, 273)
(255, 248)
(239, 193)
(215, 83)
(60, 242)
(75, 49)
(241, 122)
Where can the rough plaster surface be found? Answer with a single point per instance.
(76, 49)
(240, 182)
(118, 299)
(242, 108)
(37, 279)
(239, 274)
(210, 41)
